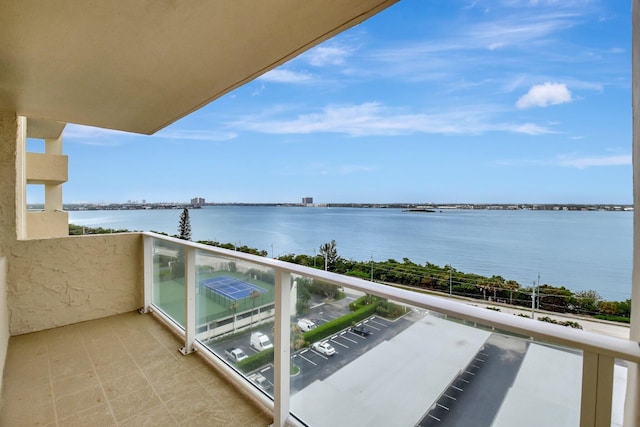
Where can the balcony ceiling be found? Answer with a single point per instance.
(139, 65)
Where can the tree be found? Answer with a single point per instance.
(330, 254)
(253, 295)
(184, 226)
(233, 307)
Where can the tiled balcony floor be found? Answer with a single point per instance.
(123, 370)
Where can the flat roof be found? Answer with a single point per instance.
(408, 372)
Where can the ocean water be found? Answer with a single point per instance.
(579, 250)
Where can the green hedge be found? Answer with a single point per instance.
(336, 325)
(613, 318)
(256, 361)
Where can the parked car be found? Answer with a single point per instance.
(235, 354)
(306, 325)
(260, 341)
(361, 330)
(262, 382)
(324, 347)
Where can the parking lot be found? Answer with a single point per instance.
(314, 365)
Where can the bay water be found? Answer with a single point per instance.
(581, 250)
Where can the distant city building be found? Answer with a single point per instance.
(197, 201)
(307, 200)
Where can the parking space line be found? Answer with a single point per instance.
(476, 366)
(348, 339)
(437, 419)
(442, 406)
(319, 354)
(463, 380)
(310, 361)
(450, 397)
(478, 359)
(339, 343)
(373, 327)
(470, 373)
(265, 369)
(457, 388)
(381, 324)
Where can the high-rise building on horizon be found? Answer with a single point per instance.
(307, 200)
(197, 201)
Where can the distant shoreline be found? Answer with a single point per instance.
(413, 207)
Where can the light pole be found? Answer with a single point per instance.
(450, 283)
(372, 267)
(533, 300)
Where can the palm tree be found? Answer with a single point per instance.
(253, 295)
(233, 307)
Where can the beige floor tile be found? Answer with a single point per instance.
(69, 365)
(99, 416)
(77, 401)
(183, 407)
(213, 417)
(112, 370)
(123, 370)
(127, 405)
(154, 417)
(130, 383)
(27, 414)
(75, 382)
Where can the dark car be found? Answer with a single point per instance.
(361, 330)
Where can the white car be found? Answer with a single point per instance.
(324, 347)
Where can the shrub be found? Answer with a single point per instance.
(336, 325)
(612, 318)
(256, 361)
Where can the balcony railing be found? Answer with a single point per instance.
(433, 359)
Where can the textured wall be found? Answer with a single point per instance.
(8, 133)
(55, 282)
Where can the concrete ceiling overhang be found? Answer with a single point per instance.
(140, 65)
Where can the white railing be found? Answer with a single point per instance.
(599, 351)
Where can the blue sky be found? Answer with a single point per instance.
(430, 101)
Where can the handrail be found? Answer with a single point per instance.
(584, 340)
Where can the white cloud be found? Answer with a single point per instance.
(544, 95)
(585, 162)
(531, 129)
(327, 55)
(280, 75)
(88, 135)
(196, 135)
(373, 118)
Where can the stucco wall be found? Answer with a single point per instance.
(55, 282)
(8, 135)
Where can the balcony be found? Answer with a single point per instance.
(433, 363)
(121, 370)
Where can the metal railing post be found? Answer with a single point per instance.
(282, 350)
(597, 390)
(189, 300)
(147, 268)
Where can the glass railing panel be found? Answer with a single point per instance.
(365, 361)
(235, 314)
(169, 279)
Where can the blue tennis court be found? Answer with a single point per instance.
(230, 287)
